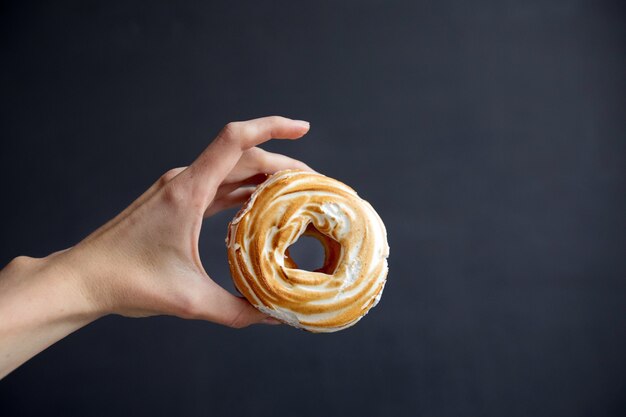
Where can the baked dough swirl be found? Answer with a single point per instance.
(292, 203)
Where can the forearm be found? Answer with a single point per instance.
(145, 261)
(41, 302)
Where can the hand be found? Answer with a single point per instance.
(145, 261)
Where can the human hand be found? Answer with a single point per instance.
(145, 261)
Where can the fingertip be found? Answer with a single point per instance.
(302, 124)
(302, 127)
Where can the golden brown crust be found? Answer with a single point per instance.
(286, 206)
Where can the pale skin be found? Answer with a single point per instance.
(145, 261)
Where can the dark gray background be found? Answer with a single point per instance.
(490, 136)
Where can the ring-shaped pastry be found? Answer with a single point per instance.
(292, 203)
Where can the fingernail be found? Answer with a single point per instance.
(271, 321)
(302, 123)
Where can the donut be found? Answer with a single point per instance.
(292, 203)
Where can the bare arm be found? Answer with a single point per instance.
(145, 261)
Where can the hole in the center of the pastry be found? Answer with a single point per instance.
(307, 253)
(313, 251)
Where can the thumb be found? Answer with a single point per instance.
(219, 306)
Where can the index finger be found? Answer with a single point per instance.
(221, 156)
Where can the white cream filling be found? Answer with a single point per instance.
(338, 218)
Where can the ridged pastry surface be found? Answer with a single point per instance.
(292, 203)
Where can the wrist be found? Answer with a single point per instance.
(70, 274)
(41, 301)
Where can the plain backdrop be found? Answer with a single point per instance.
(489, 135)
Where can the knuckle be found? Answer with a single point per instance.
(238, 324)
(238, 321)
(258, 157)
(21, 262)
(174, 194)
(241, 134)
(246, 132)
(168, 176)
(230, 131)
(181, 196)
(275, 119)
